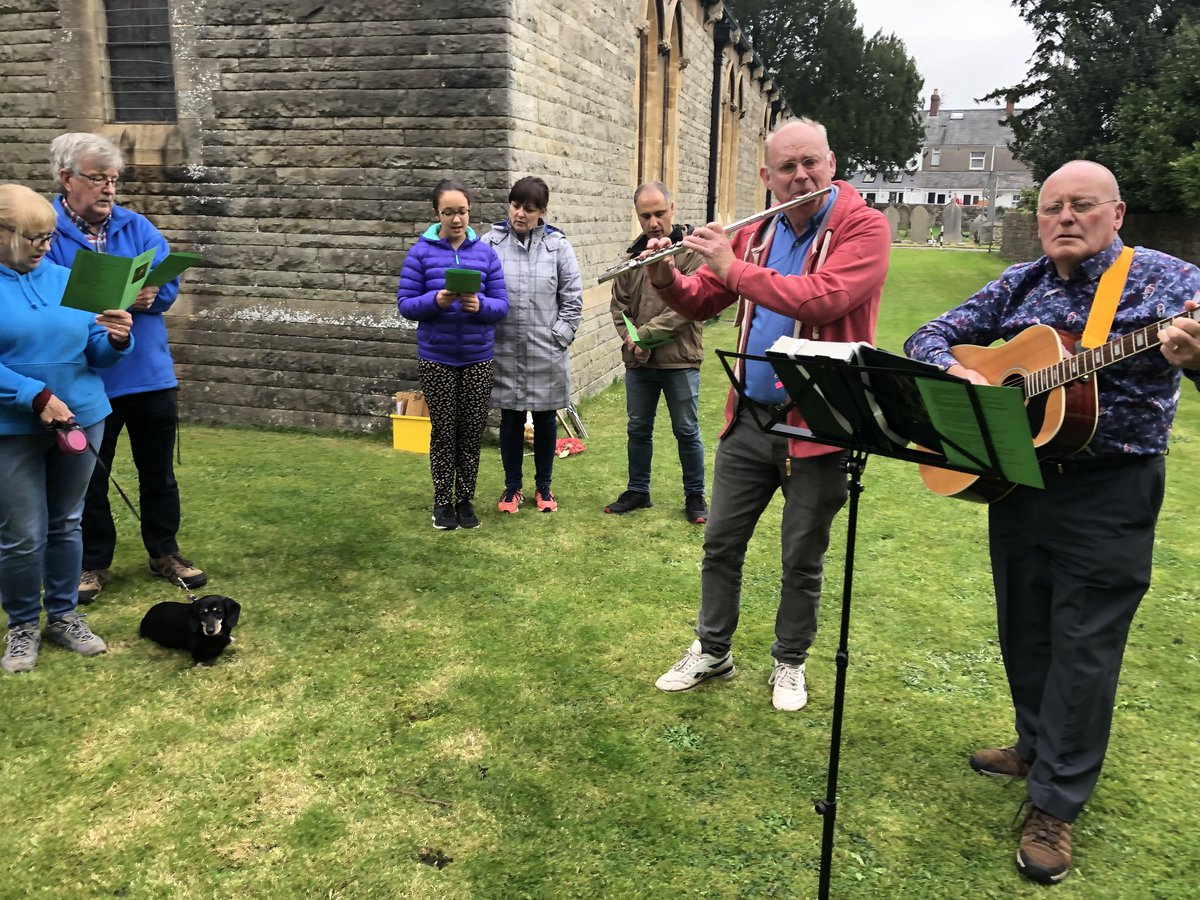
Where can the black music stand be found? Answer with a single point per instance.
(868, 401)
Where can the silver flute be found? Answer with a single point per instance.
(676, 249)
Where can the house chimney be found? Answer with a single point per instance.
(934, 102)
(1010, 105)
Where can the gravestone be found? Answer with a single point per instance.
(918, 229)
(893, 216)
(952, 223)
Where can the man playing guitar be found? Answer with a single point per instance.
(1071, 563)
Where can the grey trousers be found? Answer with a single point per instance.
(1070, 564)
(751, 465)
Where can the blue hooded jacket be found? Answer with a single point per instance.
(45, 345)
(451, 336)
(150, 367)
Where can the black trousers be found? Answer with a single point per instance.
(151, 420)
(1070, 565)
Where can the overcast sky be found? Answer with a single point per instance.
(965, 49)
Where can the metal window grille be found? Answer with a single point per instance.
(141, 69)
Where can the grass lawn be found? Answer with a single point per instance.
(410, 713)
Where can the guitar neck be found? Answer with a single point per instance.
(1088, 361)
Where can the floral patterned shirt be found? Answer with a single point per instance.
(1138, 394)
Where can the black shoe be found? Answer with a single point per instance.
(695, 509)
(444, 518)
(466, 514)
(628, 501)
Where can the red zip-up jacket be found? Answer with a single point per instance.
(836, 299)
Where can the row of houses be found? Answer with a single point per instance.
(964, 159)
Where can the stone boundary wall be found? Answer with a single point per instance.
(1174, 234)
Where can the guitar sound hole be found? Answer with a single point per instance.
(1035, 407)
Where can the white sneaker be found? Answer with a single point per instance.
(695, 668)
(791, 693)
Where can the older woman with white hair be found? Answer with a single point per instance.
(47, 384)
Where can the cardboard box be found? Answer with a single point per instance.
(411, 403)
(410, 433)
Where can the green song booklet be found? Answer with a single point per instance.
(170, 268)
(643, 343)
(463, 281)
(100, 281)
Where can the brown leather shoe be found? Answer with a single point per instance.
(91, 583)
(1000, 762)
(176, 569)
(1045, 851)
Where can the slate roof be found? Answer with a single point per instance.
(966, 127)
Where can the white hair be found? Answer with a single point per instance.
(68, 150)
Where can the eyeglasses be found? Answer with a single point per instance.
(454, 213)
(101, 180)
(37, 241)
(1079, 207)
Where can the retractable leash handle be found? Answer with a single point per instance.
(70, 437)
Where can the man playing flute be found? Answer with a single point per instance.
(814, 271)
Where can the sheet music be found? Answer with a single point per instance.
(952, 414)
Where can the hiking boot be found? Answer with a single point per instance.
(695, 668)
(72, 632)
(511, 501)
(465, 512)
(695, 509)
(91, 583)
(545, 500)
(444, 517)
(1045, 851)
(1000, 762)
(627, 502)
(21, 647)
(176, 569)
(791, 692)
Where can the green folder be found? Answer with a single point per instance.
(643, 343)
(463, 281)
(100, 281)
(170, 268)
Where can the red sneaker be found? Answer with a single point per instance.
(510, 502)
(546, 501)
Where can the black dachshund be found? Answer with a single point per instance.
(201, 627)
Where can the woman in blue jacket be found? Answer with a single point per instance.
(455, 337)
(47, 379)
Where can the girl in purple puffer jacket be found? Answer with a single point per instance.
(455, 336)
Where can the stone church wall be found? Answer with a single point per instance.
(309, 137)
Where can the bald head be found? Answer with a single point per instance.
(1079, 214)
(1085, 168)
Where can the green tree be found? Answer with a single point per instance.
(864, 90)
(1090, 56)
(1159, 160)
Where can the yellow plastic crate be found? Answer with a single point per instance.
(410, 433)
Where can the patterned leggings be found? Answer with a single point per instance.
(458, 398)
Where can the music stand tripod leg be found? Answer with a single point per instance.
(827, 807)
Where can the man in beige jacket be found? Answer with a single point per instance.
(662, 357)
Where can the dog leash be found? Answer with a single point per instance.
(69, 426)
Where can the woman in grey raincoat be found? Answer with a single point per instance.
(532, 371)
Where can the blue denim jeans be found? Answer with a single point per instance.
(40, 508)
(681, 387)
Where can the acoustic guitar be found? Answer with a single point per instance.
(1060, 391)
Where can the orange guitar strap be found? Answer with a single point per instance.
(1104, 304)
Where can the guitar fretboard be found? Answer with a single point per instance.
(1089, 361)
